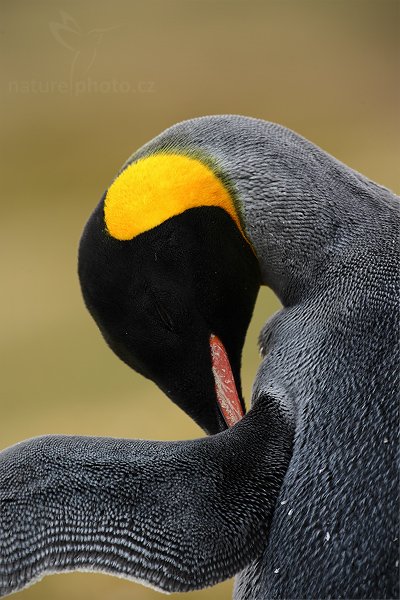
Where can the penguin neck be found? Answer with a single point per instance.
(293, 199)
(301, 209)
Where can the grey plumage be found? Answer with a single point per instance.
(175, 515)
(327, 243)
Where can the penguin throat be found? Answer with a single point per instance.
(225, 388)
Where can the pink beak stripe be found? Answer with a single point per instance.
(227, 396)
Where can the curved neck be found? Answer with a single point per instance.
(299, 206)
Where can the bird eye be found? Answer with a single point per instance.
(164, 307)
(164, 316)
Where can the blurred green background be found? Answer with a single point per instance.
(83, 84)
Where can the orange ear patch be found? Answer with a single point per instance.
(160, 186)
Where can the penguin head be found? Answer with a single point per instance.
(169, 277)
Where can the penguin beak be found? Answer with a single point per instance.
(225, 387)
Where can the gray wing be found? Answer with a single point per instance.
(174, 515)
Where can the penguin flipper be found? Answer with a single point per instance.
(176, 516)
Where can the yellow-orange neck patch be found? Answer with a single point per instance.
(160, 186)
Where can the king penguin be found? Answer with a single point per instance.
(299, 497)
